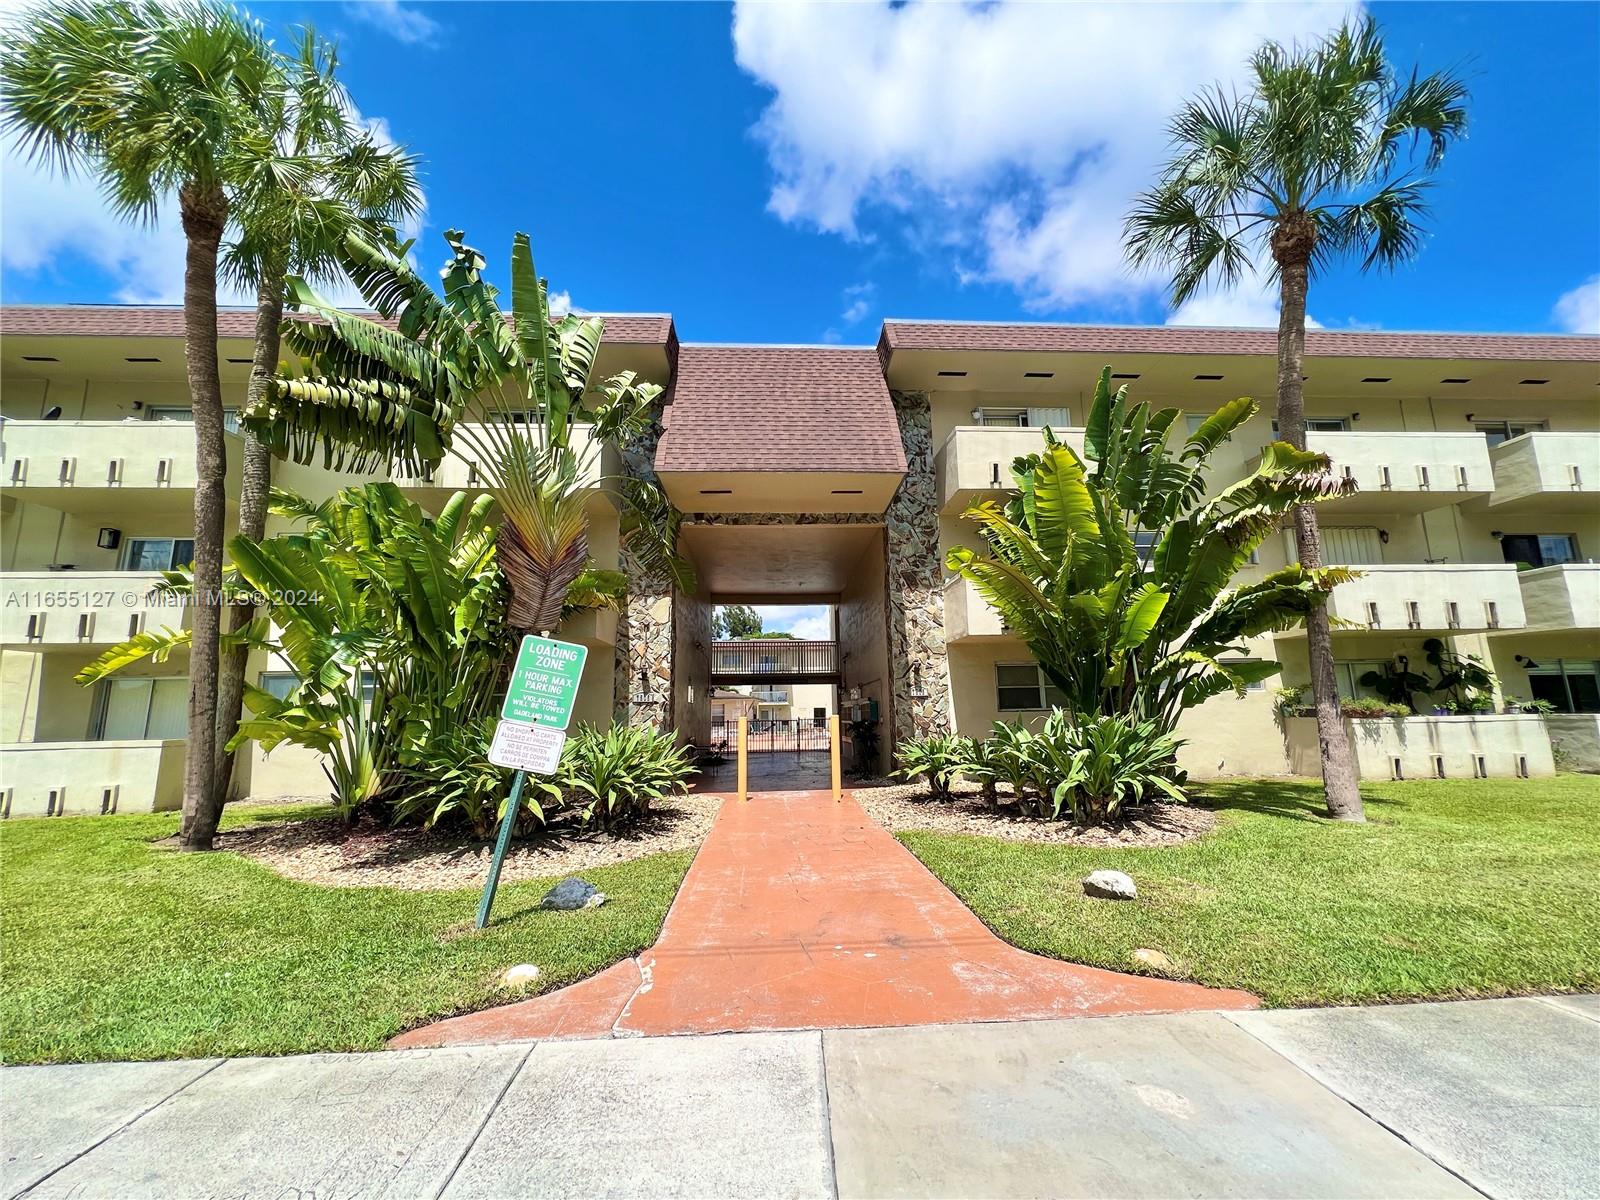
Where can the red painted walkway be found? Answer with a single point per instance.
(800, 913)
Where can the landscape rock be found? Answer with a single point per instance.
(520, 975)
(1153, 959)
(595, 901)
(569, 894)
(1110, 885)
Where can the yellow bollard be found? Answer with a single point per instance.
(833, 753)
(744, 794)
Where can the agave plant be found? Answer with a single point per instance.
(1120, 631)
(433, 368)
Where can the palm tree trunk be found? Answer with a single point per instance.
(1292, 244)
(205, 213)
(255, 489)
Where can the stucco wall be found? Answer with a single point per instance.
(863, 641)
(1501, 740)
(1575, 741)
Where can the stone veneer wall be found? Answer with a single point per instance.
(643, 681)
(915, 584)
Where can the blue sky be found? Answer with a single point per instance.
(796, 174)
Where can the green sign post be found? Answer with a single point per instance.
(539, 700)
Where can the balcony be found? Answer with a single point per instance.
(106, 466)
(462, 469)
(1546, 472)
(46, 610)
(86, 778)
(1488, 746)
(758, 660)
(1432, 598)
(968, 616)
(770, 695)
(1562, 597)
(975, 461)
(1405, 472)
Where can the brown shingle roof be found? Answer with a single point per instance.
(780, 408)
(1182, 339)
(136, 320)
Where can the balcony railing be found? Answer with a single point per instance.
(772, 658)
(1546, 471)
(1406, 472)
(1566, 596)
(1431, 598)
(968, 615)
(975, 460)
(77, 465)
(46, 609)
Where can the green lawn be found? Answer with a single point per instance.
(1453, 889)
(113, 949)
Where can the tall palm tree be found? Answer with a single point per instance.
(154, 100)
(1325, 156)
(317, 176)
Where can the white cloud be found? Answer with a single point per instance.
(1008, 139)
(811, 622)
(400, 21)
(46, 219)
(1578, 311)
(857, 302)
(560, 303)
(1253, 304)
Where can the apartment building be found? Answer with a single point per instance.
(837, 476)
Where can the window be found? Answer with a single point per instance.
(1504, 431)
(1349, 677)
(1144, 542)
(277, 683)
(1195, 420)
(1572, 686)
(143, 709)
(1022, 687)
(1320, 425)
(185, 414)
(1023, 418)
(1015, 417)
(158, 554)
(1255, 685)
(1539, 549)
(819, 717)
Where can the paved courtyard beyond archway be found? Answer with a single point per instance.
(803, 913)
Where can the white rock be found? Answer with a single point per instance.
(1110, 885)
(1152, 958)
(520, 975)
(595, 901)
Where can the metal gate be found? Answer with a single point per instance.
(775, 735)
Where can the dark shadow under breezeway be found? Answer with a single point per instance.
(770, 771)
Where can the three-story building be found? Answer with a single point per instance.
(838, 475)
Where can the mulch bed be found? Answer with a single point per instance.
(324, 851)
(908, 806)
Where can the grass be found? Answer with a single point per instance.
(111, 948)
(1453, 889)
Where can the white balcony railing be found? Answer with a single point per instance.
(52, 609)
(1562, 597)
(74, 465)
(48, 779)
(967, 615)
(1546, 471)
(1432, 598)
(1406, 472)
(975, 460)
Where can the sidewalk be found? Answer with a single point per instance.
(802, 912)
(1498, 1097)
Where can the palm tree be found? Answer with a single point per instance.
(1325, 156)
(317, 176)
(151, 100)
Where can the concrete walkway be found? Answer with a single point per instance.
(803, 913)
(1498, 1097)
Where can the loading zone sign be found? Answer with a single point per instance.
(544, 683)
(532, 748)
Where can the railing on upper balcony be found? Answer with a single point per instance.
(778, 657)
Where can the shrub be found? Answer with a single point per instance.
(1097, 766)
(1013, 754)
(940, 759)
(1371, 706)
(612, 776)
(450, 777)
